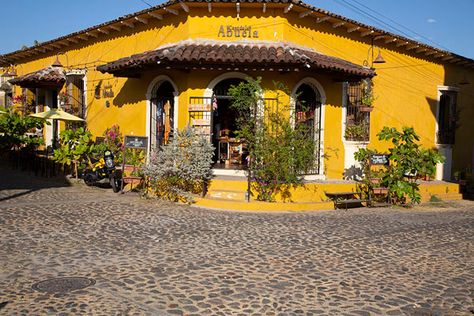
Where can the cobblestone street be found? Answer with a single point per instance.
(156, 258)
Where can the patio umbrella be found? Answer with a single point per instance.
(57, 114)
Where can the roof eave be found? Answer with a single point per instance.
(91, 33)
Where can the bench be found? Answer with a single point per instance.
(345, 199)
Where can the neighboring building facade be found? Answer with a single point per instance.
(163, 68)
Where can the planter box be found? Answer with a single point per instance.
(380, 190)
(366, 108)
(375, 180)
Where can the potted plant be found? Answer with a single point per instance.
(368, 98)
(357, 132)
(367, 103)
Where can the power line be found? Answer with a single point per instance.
(398, 24)
(146, 3)
(381, 22)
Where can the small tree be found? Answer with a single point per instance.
(181, 167)
(280, 152)
(408, 163)
(75, 146)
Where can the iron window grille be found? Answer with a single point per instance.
(357, 121)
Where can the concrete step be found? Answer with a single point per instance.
(256, 206)
(226, 195)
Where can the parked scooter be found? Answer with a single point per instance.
(104, 171)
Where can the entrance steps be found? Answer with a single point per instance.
(256, 206)
(228, 193)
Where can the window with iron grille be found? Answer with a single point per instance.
(357, 117)
(73, 100)
(447, 117)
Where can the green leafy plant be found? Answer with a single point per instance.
(134, 156)
(181, 168)
(280, 153)
(357, 132)
(407, 164)
(17, 131)
(75, 146)
(427, 162)
(368, 97)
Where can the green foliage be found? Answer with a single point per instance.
(280, 153)
(427, 161)
(75, 145)
(435, 199)
(113, 141)
(14, 129)
(408, 163)
(134, 156)
(357, 132)
(368, 97)
(403, 170)
(181, 167)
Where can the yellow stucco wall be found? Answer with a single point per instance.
(406, 86)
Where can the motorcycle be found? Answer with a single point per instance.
(103, 172)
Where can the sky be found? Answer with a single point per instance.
(446, 25)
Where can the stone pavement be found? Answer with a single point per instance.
(156, 258)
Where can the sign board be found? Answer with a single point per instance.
(241, 31)
(99, 139)
(380, 159)
(138, 142)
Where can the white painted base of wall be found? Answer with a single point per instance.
(352, 168)
(241, 173)
(443, 170)
(314, 177)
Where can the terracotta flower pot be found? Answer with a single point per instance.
(380, 190)
(365, 108)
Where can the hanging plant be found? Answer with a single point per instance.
(368, 98)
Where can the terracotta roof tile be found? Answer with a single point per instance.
(258, 54)
(49, 76)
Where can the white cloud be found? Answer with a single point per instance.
(431, 20)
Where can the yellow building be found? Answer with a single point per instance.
(159, 69)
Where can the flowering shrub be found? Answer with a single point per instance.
(181, 167)
(113, 140)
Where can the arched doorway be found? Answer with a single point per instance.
(308, 101)
(230, 152)
(162, 118)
